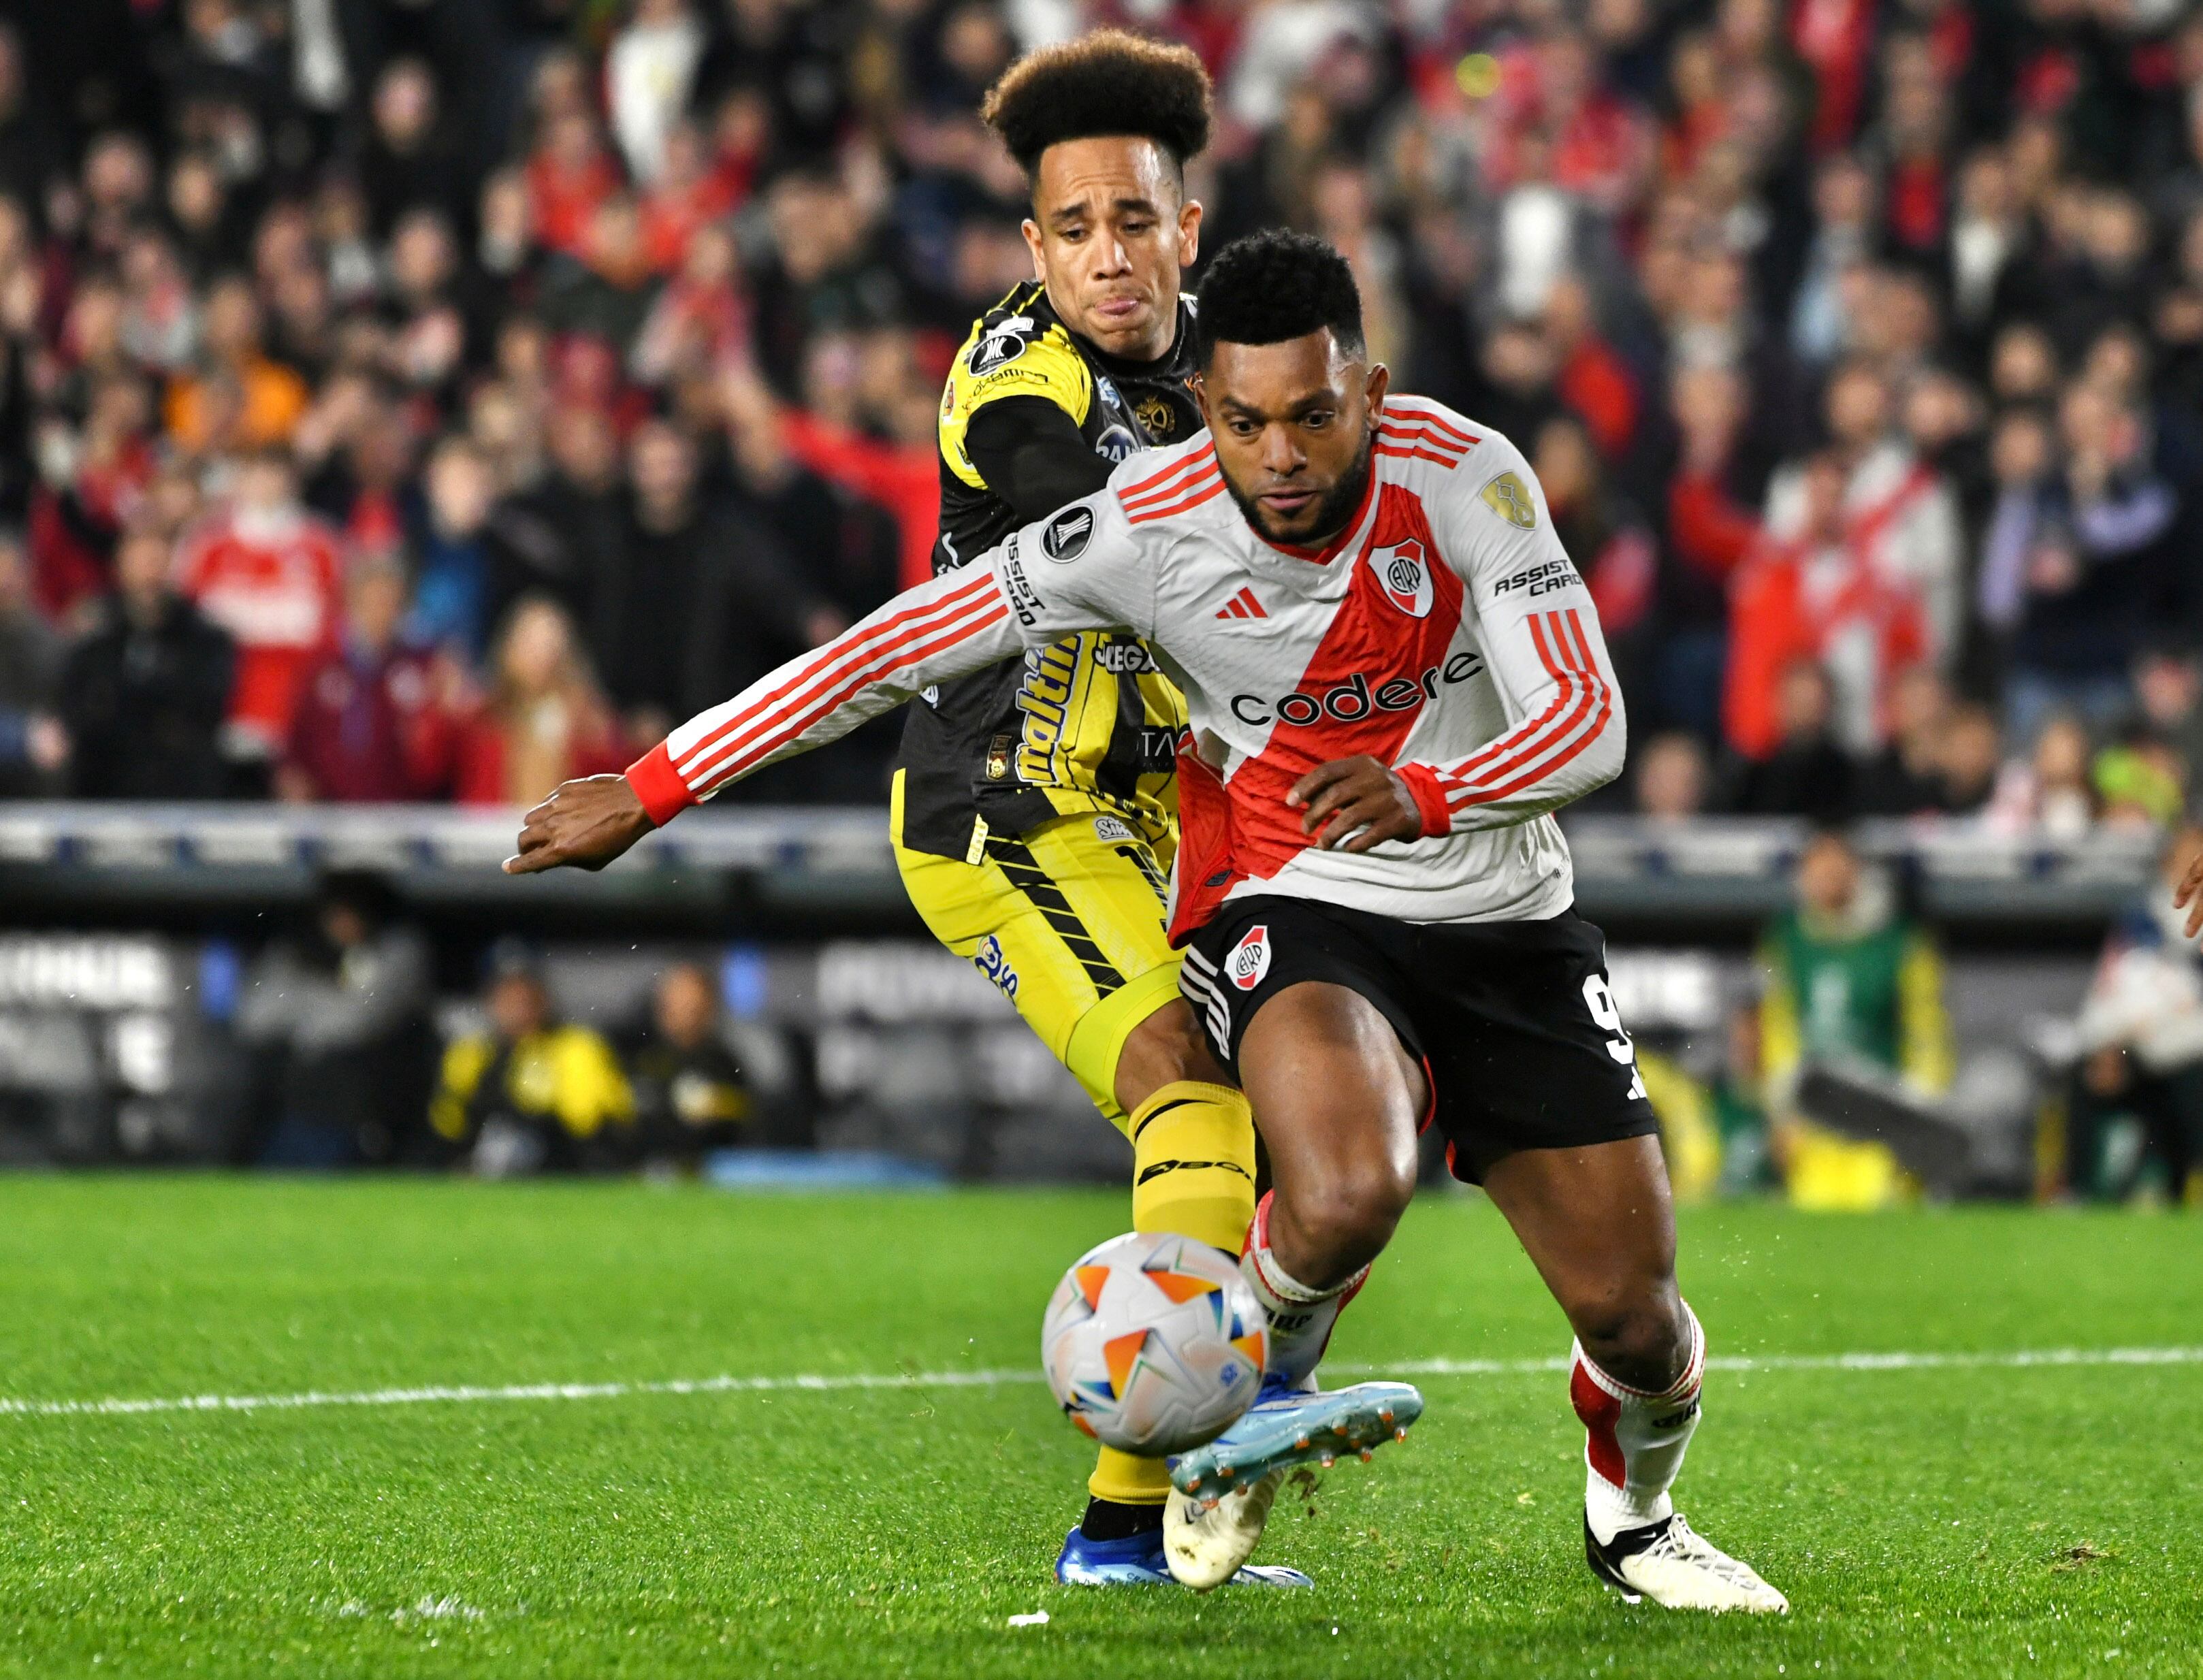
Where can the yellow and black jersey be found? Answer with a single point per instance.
(1035, 416)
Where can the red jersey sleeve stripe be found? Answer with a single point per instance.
(1169, 498)
(763, 747)
(776, 724)
(1421, 432)
(982, 592)
(1209, 493)
(1576, 693)
(1446, 461)
(1158, 485)
(1423, 415)
(980, 587)
(1155, 480)
(1524, 769)
(1463, 768)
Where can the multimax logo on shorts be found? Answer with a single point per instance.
(1353, 699)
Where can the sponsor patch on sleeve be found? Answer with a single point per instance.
(1065, 536)
(1509, 497)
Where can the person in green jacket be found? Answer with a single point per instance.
(1847, 980)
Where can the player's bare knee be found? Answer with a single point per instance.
(1639, 1336)
(1344, 1218)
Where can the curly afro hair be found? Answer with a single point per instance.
(1107, 82)
(1274, 286)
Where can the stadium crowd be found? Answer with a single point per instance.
(431, 402)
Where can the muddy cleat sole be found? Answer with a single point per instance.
(1283, 1429)
(1675, 1567)
(1136, 1561)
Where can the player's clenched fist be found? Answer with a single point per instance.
(586, 824)
(1351, 805)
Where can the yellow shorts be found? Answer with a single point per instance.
(1066, 920)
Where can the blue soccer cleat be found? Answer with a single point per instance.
(1286, 1427)
(1137, 1560)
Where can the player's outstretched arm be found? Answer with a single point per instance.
(1567, 734)
(949, 626)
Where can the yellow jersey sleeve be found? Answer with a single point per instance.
(1013, 357)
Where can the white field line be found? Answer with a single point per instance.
(2019, 1360)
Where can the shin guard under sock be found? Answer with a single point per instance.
(1634, 1440)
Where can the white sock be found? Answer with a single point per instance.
(1301, 1318)
(1634, 1440)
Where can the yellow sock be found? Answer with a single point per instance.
(1193, 1173)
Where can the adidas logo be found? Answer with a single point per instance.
(1243, 605)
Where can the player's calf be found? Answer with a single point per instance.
(1635, 1439)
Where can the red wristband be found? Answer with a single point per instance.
(665, 796)
(1430, 798)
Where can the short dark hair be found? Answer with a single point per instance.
(1274, 286)
(1107, 82)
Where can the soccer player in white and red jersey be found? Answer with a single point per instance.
(1394, 677)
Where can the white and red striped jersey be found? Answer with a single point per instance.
(1444, 631)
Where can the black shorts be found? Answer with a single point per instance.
(1514, 1022)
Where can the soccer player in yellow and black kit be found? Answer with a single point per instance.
(1034, 812)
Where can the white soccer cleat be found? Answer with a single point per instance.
(1205, 1546)
(1674, 1566)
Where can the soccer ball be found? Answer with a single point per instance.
(1153, 1343)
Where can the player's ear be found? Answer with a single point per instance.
(1189, 232)
(1031, 229)
(1380, 380)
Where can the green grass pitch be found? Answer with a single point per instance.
(1956, 1519)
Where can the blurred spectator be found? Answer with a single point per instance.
(2168, 684)
(1740, 1111)
(340, 1015)
(144, 694)
(1906, 778)
(1711, 529)
(237, 396)
(461, 565)
(1819, 598)
(2051, 791)
(1848, 980)
(687, 601)
(2140, 1040)
(1896, 512)
(33, 745)
(374, 721)
(270, 573)
(1970, 760)
(531, 1094)
(2079, 563)
(544, 722)
(1806, 773)
(2140, 781)
(1672, 777)
(691, 1093)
